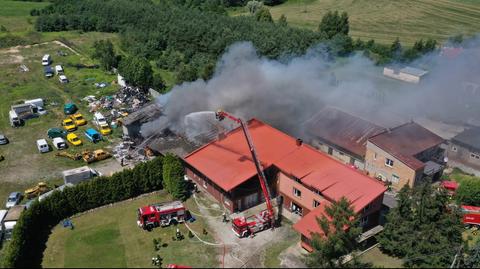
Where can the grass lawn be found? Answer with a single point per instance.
(110, 237)
(379, 259)
(272, 252)
(15, 15)
(384, 20)
(458, 175)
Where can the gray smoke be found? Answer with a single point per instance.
(286, 93)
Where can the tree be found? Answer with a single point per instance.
(468, 192)
(263, 14)
(173, 177)
(339, 228)
(254, 6)
(103, 51)
(472, 257)
(430, 45)
(421, 229)
(396, 48)
(136, 71)
(186, 72)
(332, 24)
(341, 45)
(282, 21)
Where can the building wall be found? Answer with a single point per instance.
(389, 72)
(338, 154)
(376, 167)
(285, 188)
(462, 158)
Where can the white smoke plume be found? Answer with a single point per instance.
(286, 93)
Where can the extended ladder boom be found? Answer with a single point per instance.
(220, 115)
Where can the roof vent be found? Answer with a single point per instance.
(299, 142)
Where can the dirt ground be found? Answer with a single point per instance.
(244, 252)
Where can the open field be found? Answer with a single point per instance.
(110, 237)
(384, 20)
(15, 15)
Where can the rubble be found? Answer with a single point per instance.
(127, 98)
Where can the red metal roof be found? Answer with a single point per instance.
(228, 162)
(406, 141)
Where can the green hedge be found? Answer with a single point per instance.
(31, 232)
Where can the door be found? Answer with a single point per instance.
(250, 200)
(330, 151)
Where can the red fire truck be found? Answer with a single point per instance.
(471, 215)
(164, 214)
(265, 219)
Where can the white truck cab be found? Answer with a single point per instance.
(42, 146)
(99, 119)
(59, 143)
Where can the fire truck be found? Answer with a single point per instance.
(242, 226)
(163, 214)
(471, 215)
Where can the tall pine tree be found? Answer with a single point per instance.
(173, 177)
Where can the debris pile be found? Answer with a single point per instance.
(126, 153)
(128, 99)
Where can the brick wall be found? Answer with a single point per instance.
(375, 165)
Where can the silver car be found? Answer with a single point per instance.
(3, 139)
(13, 199)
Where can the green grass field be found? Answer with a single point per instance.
(380, 260)
(15, 15)
(384, 20)
(110, 237)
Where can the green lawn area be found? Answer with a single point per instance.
(379, 259)
(110, 237)
(459, 176)
(272, 252)
(15, 15)
(384, 20)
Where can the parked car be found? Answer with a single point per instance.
(105, 129)
(42, 146)
(58, 69)
(78, 119)
(3, 139)
(13, 199)
(46, 60)
(73, 139)
(69, 125)
(93, 135)
(63, 79)
(99, 119)
(48, 71)
(56, 132)
(70, 108)
(59, 143)
(41, 110)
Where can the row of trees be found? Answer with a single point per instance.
(31, 231)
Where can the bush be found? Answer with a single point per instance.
(33, 228)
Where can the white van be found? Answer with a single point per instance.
(63, 79)
(58, 70)
(42, 146)
(59, 143)
(36, 102)
(99, 119)
(46, 60)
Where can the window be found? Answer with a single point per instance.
(297, 180)
(388, 162)
(395, 179)
(204, 184)
(454, 149)
(364, 221)
(297, 192)
(341, 153)
(316, 203)
(375, 156)
(474, 156)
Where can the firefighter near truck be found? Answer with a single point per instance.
(163, 215)
(248, 226)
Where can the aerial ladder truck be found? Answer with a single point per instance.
(242, 226)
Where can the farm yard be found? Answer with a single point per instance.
(383, 21)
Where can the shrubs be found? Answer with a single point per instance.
(32, 230)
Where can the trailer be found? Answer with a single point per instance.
(77, 175)
(471, 215)
(11, 219)
(164, 214)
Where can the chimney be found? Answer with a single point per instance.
(299, 142)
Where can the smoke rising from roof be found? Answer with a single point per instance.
(288, 92)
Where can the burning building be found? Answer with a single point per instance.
(405, 154)
(132, 124)
(341, 135)
(305, 178)
(464, 151)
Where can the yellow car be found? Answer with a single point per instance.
(78, 119)
(73, 139)
(69, 125)
(105, 129)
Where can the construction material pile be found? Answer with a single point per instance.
(128, 154)
(128, 98)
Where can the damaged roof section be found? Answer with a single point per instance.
(342, 129)
(147, 113)
(406, 141)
